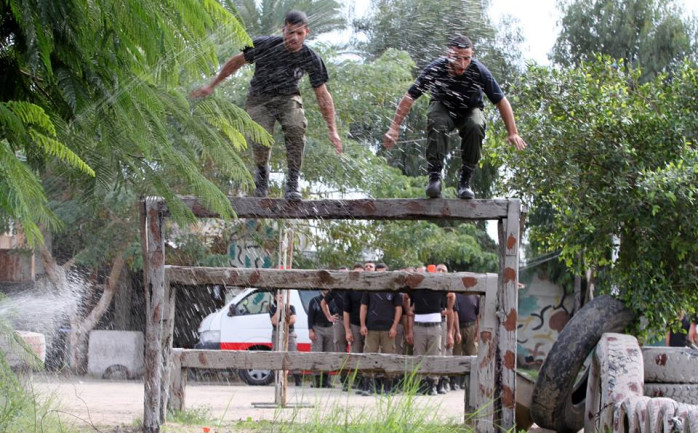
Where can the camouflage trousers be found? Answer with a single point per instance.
(288, 111)
(471, 127)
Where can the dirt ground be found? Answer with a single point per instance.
(107, 404)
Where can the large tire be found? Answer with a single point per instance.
(559, 394)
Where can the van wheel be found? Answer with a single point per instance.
(257, 377)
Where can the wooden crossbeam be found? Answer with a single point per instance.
(322, 361)
(367, 209)
(334, 280)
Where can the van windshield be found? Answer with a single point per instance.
(306, 296)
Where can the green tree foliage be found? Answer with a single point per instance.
(613, 157)
(422, 28)
(654, 35)
(99, 87)
(267, 17)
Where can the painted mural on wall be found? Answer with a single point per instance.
(544, 309)
(252, 244)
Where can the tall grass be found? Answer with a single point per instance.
(403, 412)
(21, 409)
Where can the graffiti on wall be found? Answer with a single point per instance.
(252, 244)
(544, 309)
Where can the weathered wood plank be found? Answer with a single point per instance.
(178, 384)
(152, 220)
(322, 279)
(369, 209)
(670, 365)
(507, 307)
(376, 362)
(168, 317)
(485, 396)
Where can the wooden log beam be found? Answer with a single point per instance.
(334, 280)
(372, 362)
(368, 209)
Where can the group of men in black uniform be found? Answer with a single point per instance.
(419, 322)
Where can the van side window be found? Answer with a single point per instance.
(254, 303)
(307, 296)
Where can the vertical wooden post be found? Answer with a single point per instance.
(168, 317)
(483, 398)
(178, 384)
(507, 312)
(153, 243)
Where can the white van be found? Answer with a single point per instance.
(244, 324)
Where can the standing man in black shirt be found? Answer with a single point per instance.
(426, 330)
(456, 84)
(280, 63)
(380, 315)
(351, 314)
(290, 318)
(321, 335)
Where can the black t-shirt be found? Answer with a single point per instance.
(335, 302)
(352, 305)
(427, 301)
(272, 311)
(381, 309)
(278, 70)
(315, 314)
(457, 92)
(680, 339)
(468, 307)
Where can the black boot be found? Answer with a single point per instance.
(464, 190)
(261, 181)
(297, 379)
(345, 381)
(370, 387)
(363, 385)
(455, 383)
(317, 381)
(441, 389)
(292, 193)
(326, 380)
(433, 188)
(432, 387)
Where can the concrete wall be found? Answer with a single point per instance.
(116, 353)
(544, 309)
(17, 264)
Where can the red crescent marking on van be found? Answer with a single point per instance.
(302, 347)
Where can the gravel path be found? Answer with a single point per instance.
(111, 403)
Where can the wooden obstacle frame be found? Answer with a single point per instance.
(492, 371)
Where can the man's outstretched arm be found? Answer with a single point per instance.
(403, 108)
(230, 67)
(324, 100)
(507, 114)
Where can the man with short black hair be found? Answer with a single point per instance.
(280, 63)
(456, 83)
